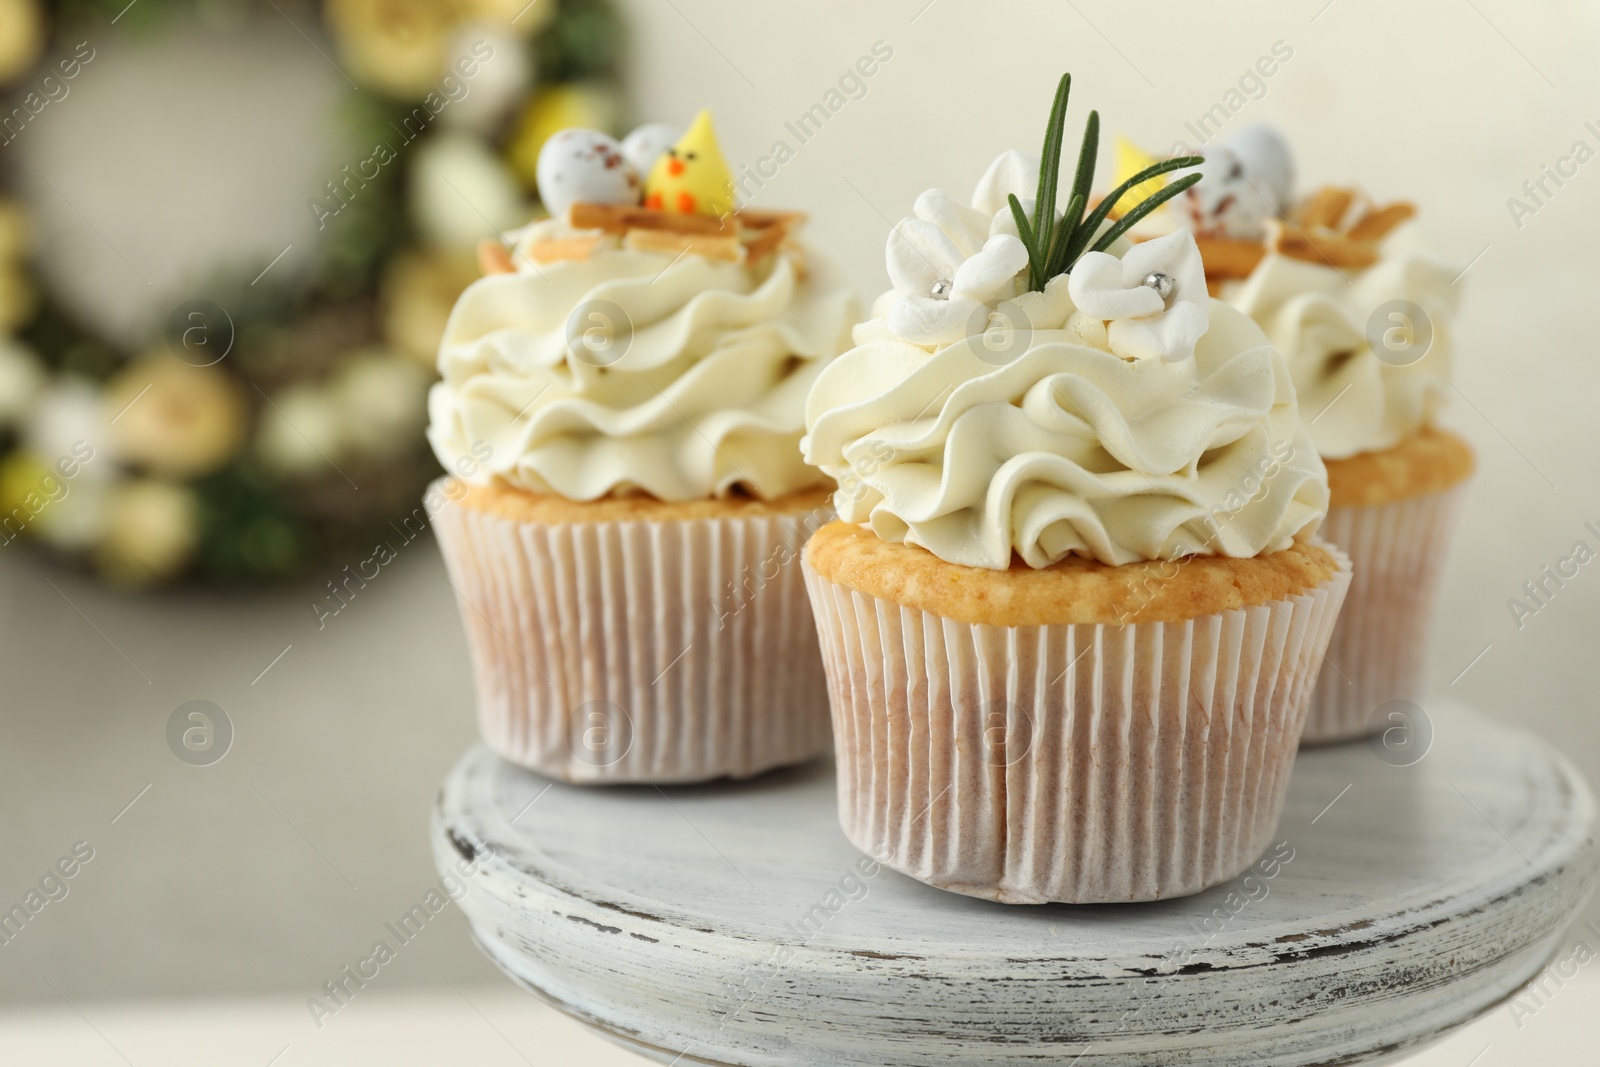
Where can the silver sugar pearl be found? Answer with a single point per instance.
(1161, 283)
(941, 289)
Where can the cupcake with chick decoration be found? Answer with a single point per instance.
(1344, 288)
(620, 413)
(1072, 608)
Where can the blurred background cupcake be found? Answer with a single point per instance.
(1345, 291)
(1072, 587)
(621, 411)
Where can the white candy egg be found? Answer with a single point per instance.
(584, 166)
(644, 146)
(1247, 178)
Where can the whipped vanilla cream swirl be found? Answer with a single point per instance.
(696, 386)
(1035, 439)
(1370, 350)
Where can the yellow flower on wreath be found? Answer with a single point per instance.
(403, 47)
(523, 17)
(23, 476)
(18, 297)
(152, 530)
(21, 37)
(398, 46)
(174, 418)
(420, 287)
(14, 229)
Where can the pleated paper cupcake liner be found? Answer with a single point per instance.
(1379, 649)
(1072, 763)
(612, 652)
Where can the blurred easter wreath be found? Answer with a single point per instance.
(273, 427)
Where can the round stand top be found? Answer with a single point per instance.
(1411, 889)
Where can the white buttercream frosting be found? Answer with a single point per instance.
(1035, 435)
(692, 383)
(1325, 321)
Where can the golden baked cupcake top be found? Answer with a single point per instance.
(1071, 591)
(648, 338)
(1429, 461)
(1036, 386)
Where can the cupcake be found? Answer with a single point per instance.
(1073, 607)
(1342, 289)
(622, 400)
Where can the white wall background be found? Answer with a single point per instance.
(1452, 103)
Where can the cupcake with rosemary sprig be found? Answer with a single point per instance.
(620, 413)
(1072, 609)
(1343, 289)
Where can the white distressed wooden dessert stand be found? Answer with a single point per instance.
(733, 924)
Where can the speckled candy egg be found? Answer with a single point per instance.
(644, 146)
(1246, 179)
(584, 166)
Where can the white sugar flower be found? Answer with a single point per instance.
(1012, 173)
(947, 270)
(1153, 299)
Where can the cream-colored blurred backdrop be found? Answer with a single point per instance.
(1452, 103)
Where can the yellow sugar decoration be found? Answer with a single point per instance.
(692, 177)
(1131, 159)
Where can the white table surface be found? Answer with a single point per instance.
(498, 1025)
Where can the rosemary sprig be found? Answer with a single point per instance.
(1103, 209)
(1088, 155)
(1044, 214)
(1053, 248)
(1127, 222)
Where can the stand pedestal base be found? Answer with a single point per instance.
(733, 924)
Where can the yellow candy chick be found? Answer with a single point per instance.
(691, 177)
(1131, 159)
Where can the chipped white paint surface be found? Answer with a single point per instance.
(733, 924)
